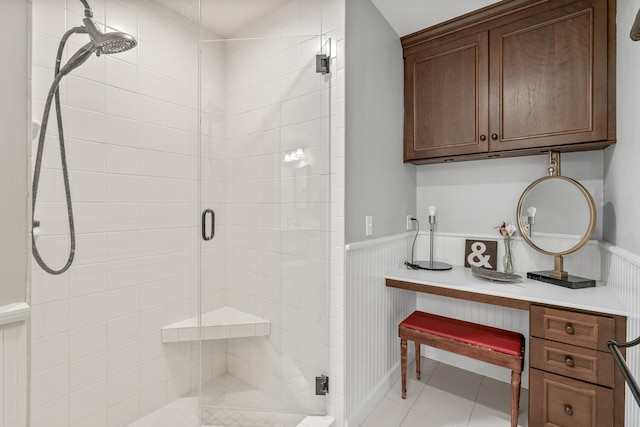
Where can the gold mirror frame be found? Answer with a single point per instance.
(558, 271)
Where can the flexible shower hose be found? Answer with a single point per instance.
(54, 95)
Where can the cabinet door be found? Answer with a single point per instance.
(446, 98)
(557, 401)
(548, 78)
(582, 329)
(572, 361)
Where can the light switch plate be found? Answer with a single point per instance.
(368, 226)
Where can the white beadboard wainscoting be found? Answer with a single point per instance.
(621, 271)
(485, 314)
(13, 365)
(373, 313)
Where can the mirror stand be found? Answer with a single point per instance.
(547, 202)
(558, 270)
(559, 277)
(571, 282)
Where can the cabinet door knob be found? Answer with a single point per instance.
(483, 137)
(494, 136)
(570, 329)
(569, 362)
(568, 410)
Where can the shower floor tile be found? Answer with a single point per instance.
(226, 402)
(181, 412)
(228, 391)
(230, 402)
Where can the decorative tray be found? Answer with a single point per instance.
(495, 276)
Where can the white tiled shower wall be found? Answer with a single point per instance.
(131, 127)
(131, 123)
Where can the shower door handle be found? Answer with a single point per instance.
(205, 213)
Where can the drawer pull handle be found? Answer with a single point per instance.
(483, 137)
(569, 362)
(570, 329)
(494, 136)
(568, 410)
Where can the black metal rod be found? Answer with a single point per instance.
(622, 365)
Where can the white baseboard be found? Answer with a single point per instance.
(360, 414)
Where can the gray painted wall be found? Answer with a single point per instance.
(377, 182)
(472, 197)
(14, 146)
(621, 162)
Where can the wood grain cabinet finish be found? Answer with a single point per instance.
(582, 329)
(518, 78)
(572, 377)
(447, 83)
(572, 361)
(563, 402)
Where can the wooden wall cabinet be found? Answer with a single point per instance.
(521, 77)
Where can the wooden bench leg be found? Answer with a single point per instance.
(403, 366)
(417, 360)
(515, 397)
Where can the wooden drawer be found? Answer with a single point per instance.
(576, 362)
(562, 402)
(585, 330)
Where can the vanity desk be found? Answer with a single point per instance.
(573, 380)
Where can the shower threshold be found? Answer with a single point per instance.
(227, 401)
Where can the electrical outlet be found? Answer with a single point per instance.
(409, 223)
(368, 225)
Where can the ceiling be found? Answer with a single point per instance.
(409, 16)
(227, 17)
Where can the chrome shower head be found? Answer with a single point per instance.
(108, 43)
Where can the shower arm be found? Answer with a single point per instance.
(87, 9)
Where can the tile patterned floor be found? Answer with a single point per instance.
(224, 404)
(444, 396)
(447, 396)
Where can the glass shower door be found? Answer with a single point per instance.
(265, 175)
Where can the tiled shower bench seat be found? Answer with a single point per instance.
(225, 322)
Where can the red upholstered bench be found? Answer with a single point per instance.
(492, 345)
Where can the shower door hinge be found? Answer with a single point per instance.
(323, 63)
(322, 385)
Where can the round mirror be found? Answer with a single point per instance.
(556, 215)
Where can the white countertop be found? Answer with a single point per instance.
(599, 298)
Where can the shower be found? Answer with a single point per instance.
(155, 137)
(107, 43)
